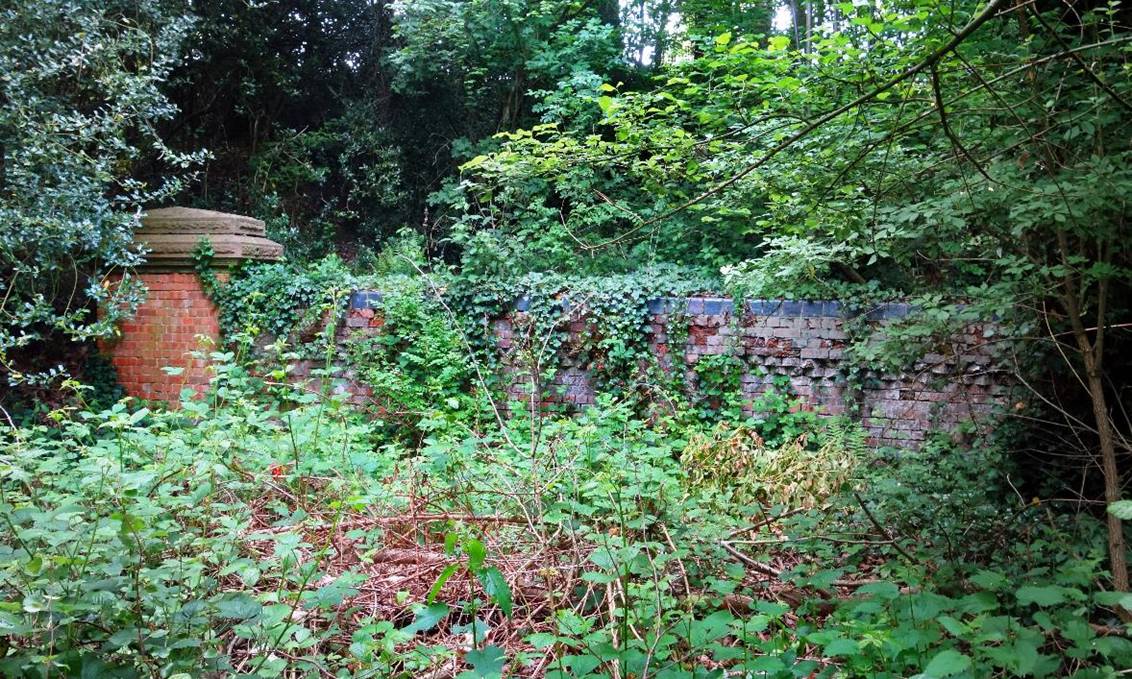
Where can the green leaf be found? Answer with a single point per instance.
(487, 663)
(34, 565)
(139, 416)
(495, 585)
(841, 647)
(541, 640)
(476, 554)
(1042, 596)
(474, 163)
(991, 580)
(440, 580)
(778, 43)
(580, 665)
(709, 629)
(947, 663)
(427, 618)
(605, 103)
(1115, 599)
(1121, 509)
(722, 39)
(238, 607)
(881, 590)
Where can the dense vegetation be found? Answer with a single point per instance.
(973, 159)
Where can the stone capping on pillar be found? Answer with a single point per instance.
(171, 235)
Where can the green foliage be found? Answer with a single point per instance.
(281, 300)
(220, 536)
(126, 548)
(673, 530)
(81, 96)
(612, 309)
(418, 364)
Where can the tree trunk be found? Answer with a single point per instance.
(1092, 356)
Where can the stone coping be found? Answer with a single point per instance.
(717, 306)
(188, 220)
(170, 237)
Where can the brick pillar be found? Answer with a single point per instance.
(177, 317)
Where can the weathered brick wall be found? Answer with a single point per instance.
(801, 342)
(804, 342)
(176, 319)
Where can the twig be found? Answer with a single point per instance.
(881, 528)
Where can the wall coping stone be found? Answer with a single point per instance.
(716, 306)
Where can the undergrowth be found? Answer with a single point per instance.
(266, 530)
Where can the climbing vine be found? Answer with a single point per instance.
(278, 300)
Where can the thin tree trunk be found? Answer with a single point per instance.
(1092, 355)
(795, 21)
(809, 27)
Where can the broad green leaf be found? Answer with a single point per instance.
(495, 585)
(1121, 509)
(487, 663)
(841, 647)
(238, 607)
(427, 617)
(1050, 595)
(947, 663)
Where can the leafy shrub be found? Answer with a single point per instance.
(132, 550)
(74, 130)
(418, 365)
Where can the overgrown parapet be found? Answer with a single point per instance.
(837, 359)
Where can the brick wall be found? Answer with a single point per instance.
(176, 319)
(801, 342)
